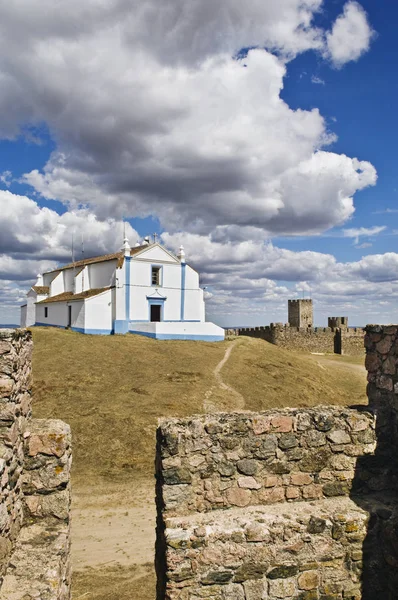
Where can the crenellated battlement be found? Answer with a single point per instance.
(338, 340)
(300, 334)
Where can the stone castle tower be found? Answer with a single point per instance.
(300, 313)
(338, 322)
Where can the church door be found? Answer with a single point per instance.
(156, 313)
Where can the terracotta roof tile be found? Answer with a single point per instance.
(41, 290)
(69, 296)
(97, 259)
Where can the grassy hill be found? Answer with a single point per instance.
(113, 389)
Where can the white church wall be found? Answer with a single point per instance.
(172, 276)
(78, 310)
(48, 277)
(69, 279)
(191, 278)
(120, 295)
(23, 315)
(139, 303)
(140, 273)
(81, 281)
(31, 308)
(78, 287)
(179, 331)
(140, 288)
(193, 305)
(170, 287)
(57, 284)
(102, 274)
(98, 314)
(172, 306)
(57, 314)
(157, 254)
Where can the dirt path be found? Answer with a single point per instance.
(118, 535)
(213, 402)
(114, 532)
(331, 362)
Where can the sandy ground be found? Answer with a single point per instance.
(108, 533)
(113, 527)
(113, 538)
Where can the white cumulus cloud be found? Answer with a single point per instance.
(153, 114)
(350, 36)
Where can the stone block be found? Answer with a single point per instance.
(50, 437)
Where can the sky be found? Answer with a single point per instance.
(258, 134)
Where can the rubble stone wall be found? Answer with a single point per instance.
(303, 552)
(35, 478)
(299, 504)
(310, 339)
(244, 459)
(15, 411)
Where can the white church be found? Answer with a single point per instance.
(145, 290)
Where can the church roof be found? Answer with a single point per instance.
(41, 290)
(70, 296)
(97, 259)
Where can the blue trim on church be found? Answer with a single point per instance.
(127, 287)
(183, 276)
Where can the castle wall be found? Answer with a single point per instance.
(382, 366)
(353, 341)
(15, 412)
(253, 459)
(295, 503)
(300, 313)
(35, 459)
(256, 505)
(310, 339)
(337, 322)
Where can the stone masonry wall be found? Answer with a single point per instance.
(15, 411)
(310, 339)
(298, 504)
(256, 506)
(35, 501)
(244, 459)
(303, 552)
(300, 313)
(352, 341)
(382, 365)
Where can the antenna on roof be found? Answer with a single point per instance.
(155, 237)
(73, 254)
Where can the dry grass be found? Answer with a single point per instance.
(271, 377)
(113, 389)
(115, 583)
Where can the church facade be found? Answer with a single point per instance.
(145, 290)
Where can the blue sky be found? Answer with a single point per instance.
(275, 170)
(359, 103)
